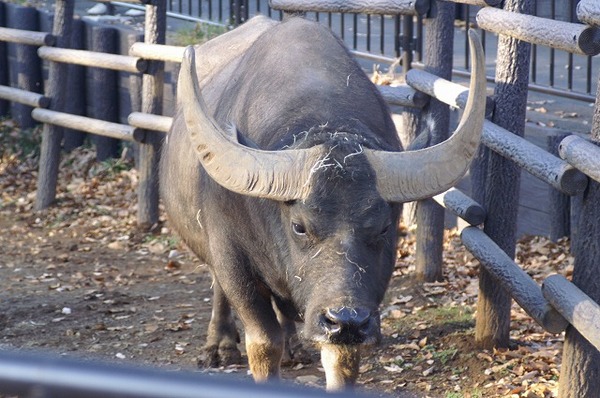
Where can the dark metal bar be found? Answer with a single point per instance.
(355, 31)
(368, 32)
(66, 378)
(534, 63)
(407, 38)
(572, 17)
(552, 50)
(588, 79)
(534, 49)
(419, 47)
(397, 44)
(382, 34)
(467, 18)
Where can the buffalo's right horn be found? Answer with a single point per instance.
(420, 174)
(277, 175)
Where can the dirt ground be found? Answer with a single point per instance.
(81, 280)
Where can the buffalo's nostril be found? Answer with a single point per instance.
(345, 320)
(330, 325)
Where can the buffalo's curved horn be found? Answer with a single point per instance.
(277, 175)
(420, 174)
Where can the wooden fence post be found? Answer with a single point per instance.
(576, 204)
(502, 182)
(28, 66)
(560, 204)
(135, 90)
(75, 88)
(439, 42)
(102, 96)
(152, 96)
(580, 370)
(52, 135)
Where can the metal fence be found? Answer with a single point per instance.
(37, 375)
(384, 38)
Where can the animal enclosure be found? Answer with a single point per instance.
(555, 305)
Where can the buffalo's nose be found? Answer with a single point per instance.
(346, 325)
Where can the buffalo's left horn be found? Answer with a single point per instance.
(420, 174)
(277, 175)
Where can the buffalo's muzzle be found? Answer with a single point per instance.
(347, 325)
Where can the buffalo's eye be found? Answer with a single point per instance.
(298, 229)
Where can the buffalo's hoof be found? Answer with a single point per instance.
(209, 358)
(230, 356)
(213, 357)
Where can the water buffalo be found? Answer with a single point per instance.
(284, 173)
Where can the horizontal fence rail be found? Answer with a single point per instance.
(129, 1)
(581, 154)
(575, 306)
(539, 163)
(588, 11)
(403, 95)
(150, 122)
(24, 97)
(461, 205)
(123, 63)
(386, 7)
(449, 93)
(514, 280)
(480, 3)
(571, 37)
(87, 124)
(157, 52)
(31, 38)
(66, 378)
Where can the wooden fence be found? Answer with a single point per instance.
(556, 306)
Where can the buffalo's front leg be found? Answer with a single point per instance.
(341, 364)
(251, 301)
(264, 341)
(221, 342)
